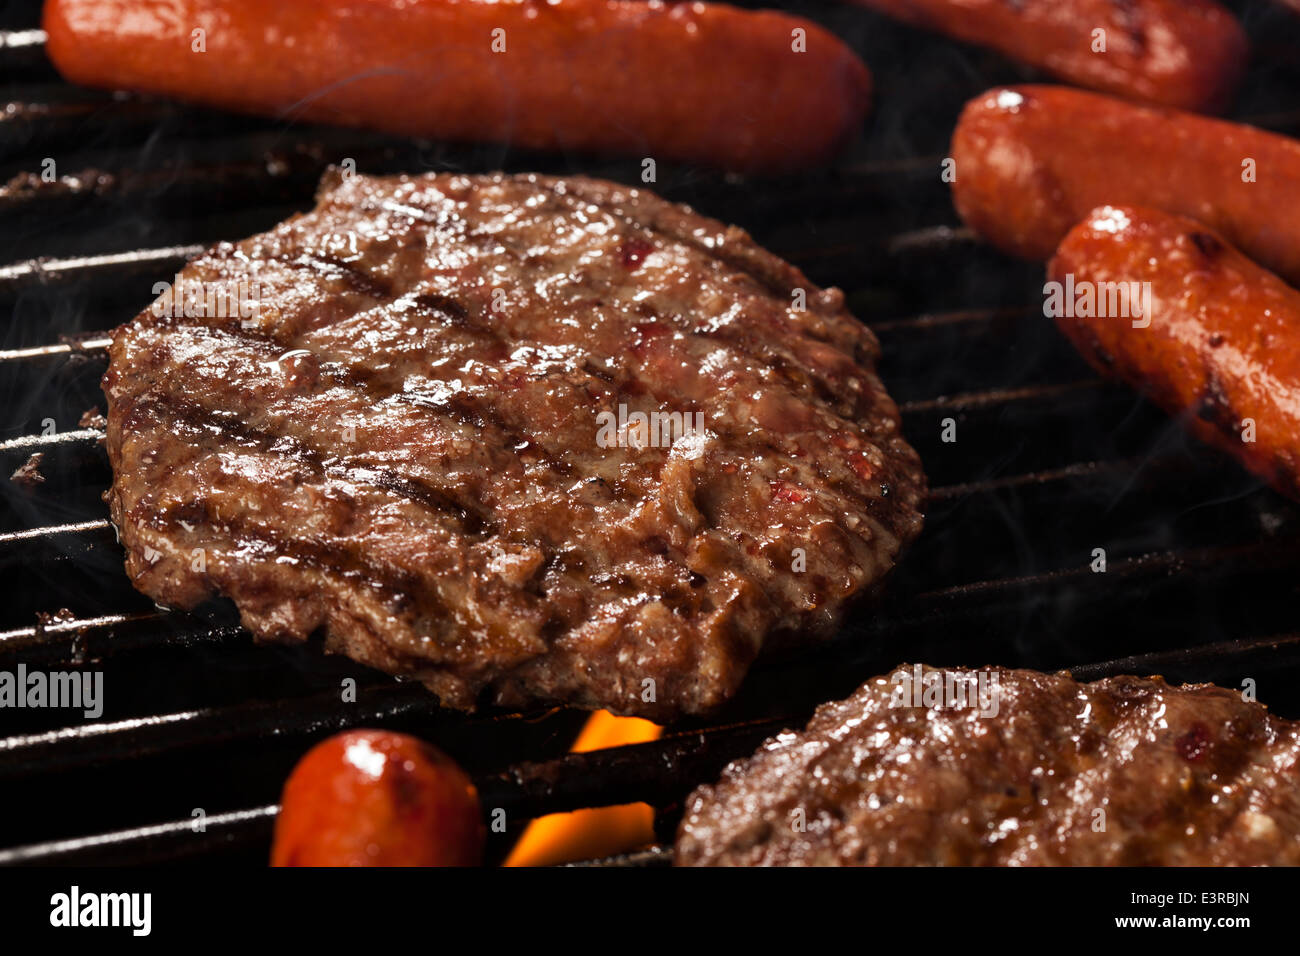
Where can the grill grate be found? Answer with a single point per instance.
(1049, 463)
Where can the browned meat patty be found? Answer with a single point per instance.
(407, 447)
(1126, 771)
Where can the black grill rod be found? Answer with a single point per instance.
(49, 531)
(91, 344)
(39, 127)
(969, 401)
(1278, 553)
(295, 170)
(380, 702)
(1111, 467)
(11, 40)
(107, 635)
(652, 856)
(1200, 662)
(138, 737)
(22, 49)
(117, 267)
(28, 443)
(153, 844)
(166, 842)
(925, 321)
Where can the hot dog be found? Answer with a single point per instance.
(704, 82)
(1219, 346)
(1184, 53)
(378, 798)
(1031, 161)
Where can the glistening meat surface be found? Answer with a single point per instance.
(398, 448)
(1127, 771)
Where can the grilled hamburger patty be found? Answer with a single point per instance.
(1187, 775)
(402, 448)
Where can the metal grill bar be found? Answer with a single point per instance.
(151, 844)
(117, 266)
(20, 40)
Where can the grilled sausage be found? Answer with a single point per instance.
(699, 81)
(1188, 54)
(1031, 161)
(378, 798)
(1220, 346)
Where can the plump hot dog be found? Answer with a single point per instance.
(1184, 53)
(1220, 346)
(378, 798)
(692, 81)
(1031, 161)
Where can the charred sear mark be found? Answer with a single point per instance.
(326, 267)
(1093, 348)
(1130, 18)
(1215, 406)
(446, 306)
(200, 420)
(1209, 246)
(347, 561)
(1102, 355)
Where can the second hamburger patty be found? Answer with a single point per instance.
(417, 432)
(1011, 767)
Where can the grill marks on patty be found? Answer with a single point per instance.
(399, 447)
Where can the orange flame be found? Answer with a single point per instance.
(598, 831)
